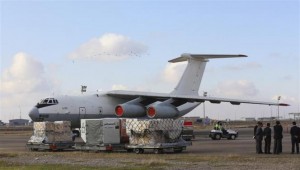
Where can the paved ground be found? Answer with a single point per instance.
(203, 154)
(244, 144)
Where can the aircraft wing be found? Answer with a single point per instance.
(131, 95)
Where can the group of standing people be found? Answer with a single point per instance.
(266, 134)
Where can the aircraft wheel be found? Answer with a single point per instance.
(217, 136)
(76, 133)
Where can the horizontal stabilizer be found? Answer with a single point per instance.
(186, 56)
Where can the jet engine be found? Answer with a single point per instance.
(162, 110)
(130, 110)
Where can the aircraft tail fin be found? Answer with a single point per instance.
(190, 81)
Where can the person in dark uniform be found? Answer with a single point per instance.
(224, 131)
(258, 138)
(295, 138)
(278, 138)
(255, 127)
(267, 134)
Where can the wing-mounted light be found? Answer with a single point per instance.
(133, 108)
(162, 110)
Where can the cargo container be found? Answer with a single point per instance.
(51, 136)
(158, 135)
(107, 134)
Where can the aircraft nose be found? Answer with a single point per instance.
(34, 114)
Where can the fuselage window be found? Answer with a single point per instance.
(45, 101)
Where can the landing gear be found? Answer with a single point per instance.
(76, 133)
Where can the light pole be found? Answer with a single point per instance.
(278, 106)
(204, 94)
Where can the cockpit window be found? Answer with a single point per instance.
(47, 102)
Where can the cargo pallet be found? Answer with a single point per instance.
(159, 148)
(56, 146)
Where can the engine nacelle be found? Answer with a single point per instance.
(130, 110)
(162, 110)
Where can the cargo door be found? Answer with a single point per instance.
(111, 131)
(82, 112)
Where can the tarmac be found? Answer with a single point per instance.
(202, 144)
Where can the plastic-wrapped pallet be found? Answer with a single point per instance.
(153, 131)
(43, 132)
(50, 132)
(63, 131)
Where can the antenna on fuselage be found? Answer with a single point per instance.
(83, 89)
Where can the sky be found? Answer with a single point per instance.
(51, 48)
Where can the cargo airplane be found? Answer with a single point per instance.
(129, 104)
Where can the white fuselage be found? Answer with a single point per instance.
(74, 108)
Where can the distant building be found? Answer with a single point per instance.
(266, 119)
(18, 122)
(2, 123)
(296, 115)
(249, 119)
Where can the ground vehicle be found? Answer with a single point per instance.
(218, 134)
